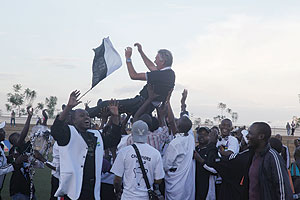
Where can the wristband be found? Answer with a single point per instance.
(128, 60)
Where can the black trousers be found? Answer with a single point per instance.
(125, 106)
(54, 187)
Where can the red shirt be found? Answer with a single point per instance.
(254, 191)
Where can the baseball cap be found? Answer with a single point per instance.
(203, 128)
(139, 131)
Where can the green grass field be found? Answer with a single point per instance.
(42, 184)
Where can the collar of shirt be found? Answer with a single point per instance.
(165, 68)
(179, 134)
(226, 138)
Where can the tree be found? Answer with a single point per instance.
(234, 116)
(51, 103)
(222, 107)
(40, 106)
(208, 122)
(197, 121)
(18, 98)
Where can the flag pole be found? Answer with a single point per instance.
(85, 93)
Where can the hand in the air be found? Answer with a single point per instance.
(113, 107)
(184, 96)
(139, 46)
(73, 99)
(29, 111)
(128, 52)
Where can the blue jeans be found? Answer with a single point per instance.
(20, 196)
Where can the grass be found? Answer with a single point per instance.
(42, 184)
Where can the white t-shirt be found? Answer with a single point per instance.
(230, 144)
(127, 166)
(55, 161)
(180, 184)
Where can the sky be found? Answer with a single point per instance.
(242, 53)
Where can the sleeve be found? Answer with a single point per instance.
(149, 76)
(60, 132)
(287, 157)
(113, 139)
(118, 167)
(233, 145)
(6, 169)
(279, 175)
(159, 170)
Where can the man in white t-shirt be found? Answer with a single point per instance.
(179, 164)
(227, 144)
(127, 168)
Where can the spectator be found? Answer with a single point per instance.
(295, 171)
(178, 160)
(285, 153)
(13, 118)
(227, 144)
(288, 128)
(81, 151)
(293, 125)
(268, 176)
(205, 175)
(128, 170)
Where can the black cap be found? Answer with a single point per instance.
(203, 128)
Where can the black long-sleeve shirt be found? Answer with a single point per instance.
(61, 133)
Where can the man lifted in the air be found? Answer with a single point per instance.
(161, 77)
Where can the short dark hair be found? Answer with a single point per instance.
(11, 137)
(263, 128)
(276, 144)
(186, 124)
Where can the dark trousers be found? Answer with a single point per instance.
(107, 192)
(54, 187)
(125, 106)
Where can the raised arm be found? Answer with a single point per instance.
(150, 65)
(113, 139)
(132, 73)
(171, 118)
(44, 113)
(162, 112)
(183, 110)
(26, 127)
(60, 130)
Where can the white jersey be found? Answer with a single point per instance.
(127, 166)
(180, 184)
(230, 144)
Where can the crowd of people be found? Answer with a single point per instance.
(158, 157)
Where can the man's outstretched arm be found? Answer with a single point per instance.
(132, 73)
(26, 127)
(150, 65)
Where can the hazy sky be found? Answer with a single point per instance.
(242, 53)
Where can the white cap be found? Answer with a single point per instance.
(139, 131)
(2, 125)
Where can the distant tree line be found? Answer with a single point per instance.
(20, 99)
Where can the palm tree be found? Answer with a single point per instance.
(222, 107)
(234, 116)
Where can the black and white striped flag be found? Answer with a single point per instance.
(106, 61)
